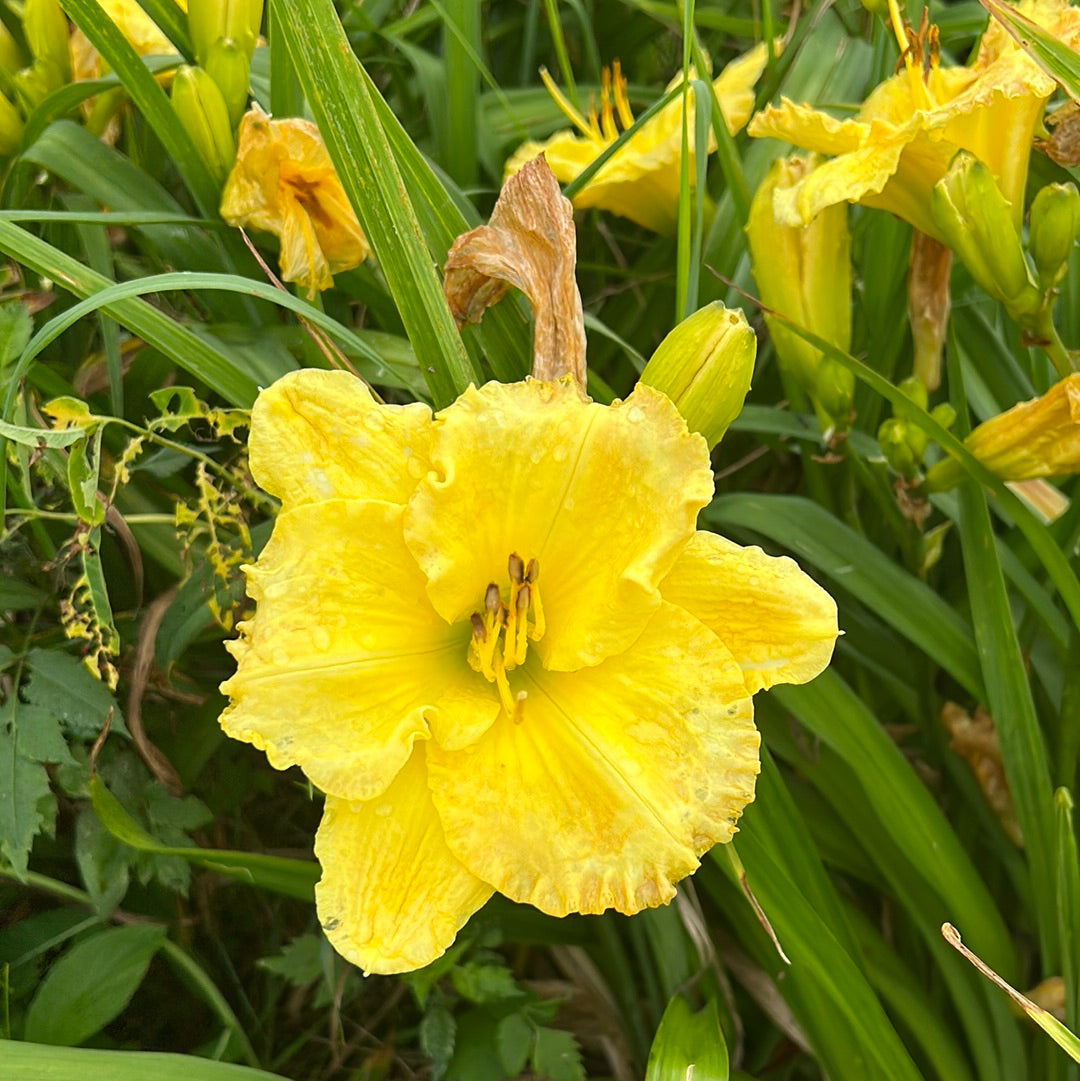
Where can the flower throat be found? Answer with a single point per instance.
(501, 632)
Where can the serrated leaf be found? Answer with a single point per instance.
(300, 962)
(59, 684)
(438, 1030)
(556, 1056)
(479, 982)
(27, 804)
(102, 862)
(91, 984)
(513, 1041)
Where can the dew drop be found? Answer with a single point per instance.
(384, 810)
(635, 414)
(320, 637)
(559, 453)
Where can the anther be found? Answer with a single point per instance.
(532, 571)
(478, 631)
(516, 568)
(491, 599)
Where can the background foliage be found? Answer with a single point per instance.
(155, 877)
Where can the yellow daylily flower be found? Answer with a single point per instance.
(1037, 438)
(141, 31)
(641, 181)
(496, 641)
(284, 182)
(901, 142)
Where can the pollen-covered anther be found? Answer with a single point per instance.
(509, 620)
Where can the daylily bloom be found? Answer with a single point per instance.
(641, 180)
(1037, 438)
(284, 182)
(140, 30)
(901, 142)
(496, 641)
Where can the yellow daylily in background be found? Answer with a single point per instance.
(641, 181)
(906, 133)
(284, 182)
(140, 30)
(1037, 438)
(497, 642)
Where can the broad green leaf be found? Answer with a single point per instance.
(293, 878)
(34, 1062)
(41, 437)
(91, 984)
(60, 686)
(688, 1044)
(341, 100)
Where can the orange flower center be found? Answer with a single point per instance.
(502, 629)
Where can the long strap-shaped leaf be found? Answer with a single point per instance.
(342, 104)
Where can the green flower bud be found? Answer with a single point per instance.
(1052, 231)
(894, 438)
(202, 110)
(237, 21)
(976, 221)
(834, 393)
(944, 414)
(229, 66)
(704, 366)
(914, 390)
(801, 272)
(46, 29)
(35, 83)
(11, 57)
(11, 127)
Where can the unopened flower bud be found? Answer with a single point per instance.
(237, 21)
(894, 438)
(205, 117)
(11, 127)
(46, 29)
(1038, 438)
(944, 414)
(977, 223)
(11, 58)
(228, 65)
(34, 84)
(1052, 231)
(802, 272)
(704, 366)
(834, 391)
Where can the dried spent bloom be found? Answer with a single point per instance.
(284, 182)
(496, 641)
(641, 180)
(1037, 438)
(902, 140)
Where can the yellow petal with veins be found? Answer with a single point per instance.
(616, 779)
(319, 435)
(603, 497)
(327, 674)
(392, 896)
(779, 624)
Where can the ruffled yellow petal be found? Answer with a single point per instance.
(602, 496)
(778, 623)
(319, 435)
(392, 896)
(616, 779)
(734, 86)
(345, 656)
(804, 126)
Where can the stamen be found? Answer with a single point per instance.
(607, 117)
(919, 94)
(532, 574)
(565, 107)
(622, 103)
(503, 684)
(521, 641)
(515, 567)
(479, 632)
(519, 706)
(491, 599)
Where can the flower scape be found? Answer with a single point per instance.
(494, 637)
